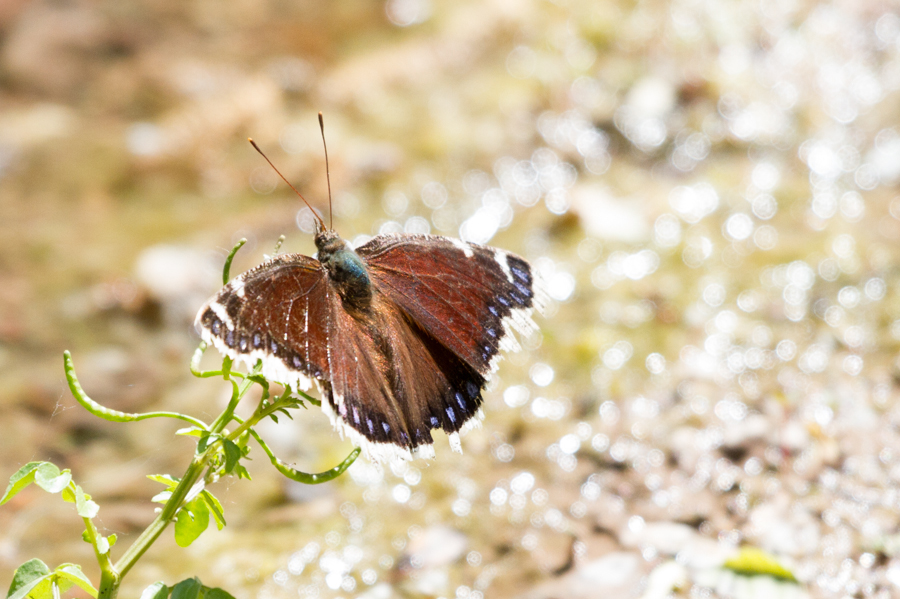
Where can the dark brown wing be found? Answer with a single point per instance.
(392, 383)
(277, 312)
(467, 297)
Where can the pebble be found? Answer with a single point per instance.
(666, 537)
(615, 574)
(436, 546)
(180, 278)
(784, 528)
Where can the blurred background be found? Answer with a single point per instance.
(709, 189)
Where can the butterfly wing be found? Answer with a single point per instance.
(278, 312)
(467, 297)
(442, 310)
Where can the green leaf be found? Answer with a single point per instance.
(169, 481)
(49, 478)
(215, 507)
(72, 573)
(112, 539)
(241, 472)
(207, 440)
(192, 520)
(102, 545)
(274, 417)
(165, 479)
(217, 593)
(83, 504)
(157, 590)
(191, 431)
(162, 497)
(232, 455)
(187, 589)
(21, 479)
(753, 561)
(28, 575)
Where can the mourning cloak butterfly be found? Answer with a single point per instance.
(400, 334)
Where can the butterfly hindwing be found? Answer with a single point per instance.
(392, 383)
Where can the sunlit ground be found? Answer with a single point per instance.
(709, 191)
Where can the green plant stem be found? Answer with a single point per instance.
(109, 576)
(191, 476)
(165, 516)
(112, 574)
(105, 413)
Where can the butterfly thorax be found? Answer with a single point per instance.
(346, 271)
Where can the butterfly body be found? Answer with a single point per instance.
(400, 334)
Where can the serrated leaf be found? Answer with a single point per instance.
(187, 589)
(29, 574)
(217, 593)
(23, 477)
(83, 504)
(49, 478)
(157, 590)
(242, 472)
(192, 520)
(232, 455)
(73, 574)
(215, 507)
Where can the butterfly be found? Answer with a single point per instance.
(400, 334)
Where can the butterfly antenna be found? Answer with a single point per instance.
(327, 171)
(283, 178)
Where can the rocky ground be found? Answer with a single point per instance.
(709, 191)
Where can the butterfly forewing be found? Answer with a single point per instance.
(465, 296)
(277, 313)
